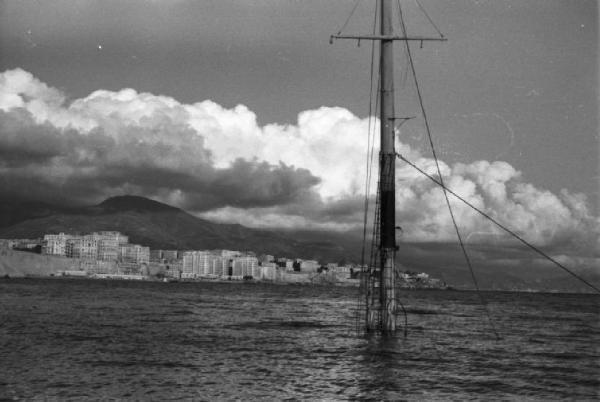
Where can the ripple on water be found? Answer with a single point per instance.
(73, 340)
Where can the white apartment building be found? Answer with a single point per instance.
(55, 244)
(106, 244)
(220, 266)
(196, 263)
(108, 249)
(309, 266)
(230, 254)
(85, 247)
(269, 271)
(244, 266)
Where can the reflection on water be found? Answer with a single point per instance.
(83, 339)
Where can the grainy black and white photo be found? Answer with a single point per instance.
(265, 200)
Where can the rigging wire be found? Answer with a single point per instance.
(370, 142)
(501, 226)
(430, 20)
(370, 147)
(439, 172)
(350, 16)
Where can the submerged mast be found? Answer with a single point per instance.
(379, 278)
(387, 191)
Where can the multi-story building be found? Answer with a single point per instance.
(170, 255)
(187, 267)
(156, 255)
(109, 243)
(205, 264)
(55, 244)
(119, 237)
(165, 255)
(219, 266)
(134, 253)
(285, 263)
(244, 266)
(173, 269)
(268, 271)
(257, 272)
(108, 249)
(309, 266)
(105, 243)
(230, 254)
(84, 247)
(266, 258)
(195, 263)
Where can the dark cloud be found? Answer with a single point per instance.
(45, 162)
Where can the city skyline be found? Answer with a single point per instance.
(242, 112)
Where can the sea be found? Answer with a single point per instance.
(82, 339)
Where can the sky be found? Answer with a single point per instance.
(242, 111)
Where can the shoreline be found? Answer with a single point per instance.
(7, 279)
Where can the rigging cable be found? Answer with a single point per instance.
(437, 164)
(350, 16)
(501, 226)
(370, 147)
(430, 20)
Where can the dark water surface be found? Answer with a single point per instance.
(86, 339)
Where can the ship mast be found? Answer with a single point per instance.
(380, 280)
(387, 163)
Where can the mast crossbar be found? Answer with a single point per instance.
(387, 37)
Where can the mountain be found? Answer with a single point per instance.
(158, 225)
(134, 203)
(15, 211)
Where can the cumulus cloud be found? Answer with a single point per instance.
(541, 217)
(220, 164)
(123, 142)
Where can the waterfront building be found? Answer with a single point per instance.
(172, 272)
(85, 247)
(170, 255)
(243, 266)
(309, 266)
(285, 263)
(187, 264)
(269, 271)
(108, 249)
(229, 254)
(198, 263)
(156, 255)
(165, 255)
(134, 253)
(267, 258)
(55, 244)
(219, 266)
(204, 259)
(118, 237)
(257, 272)
(105, 245)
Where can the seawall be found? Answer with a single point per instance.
(20, 263)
